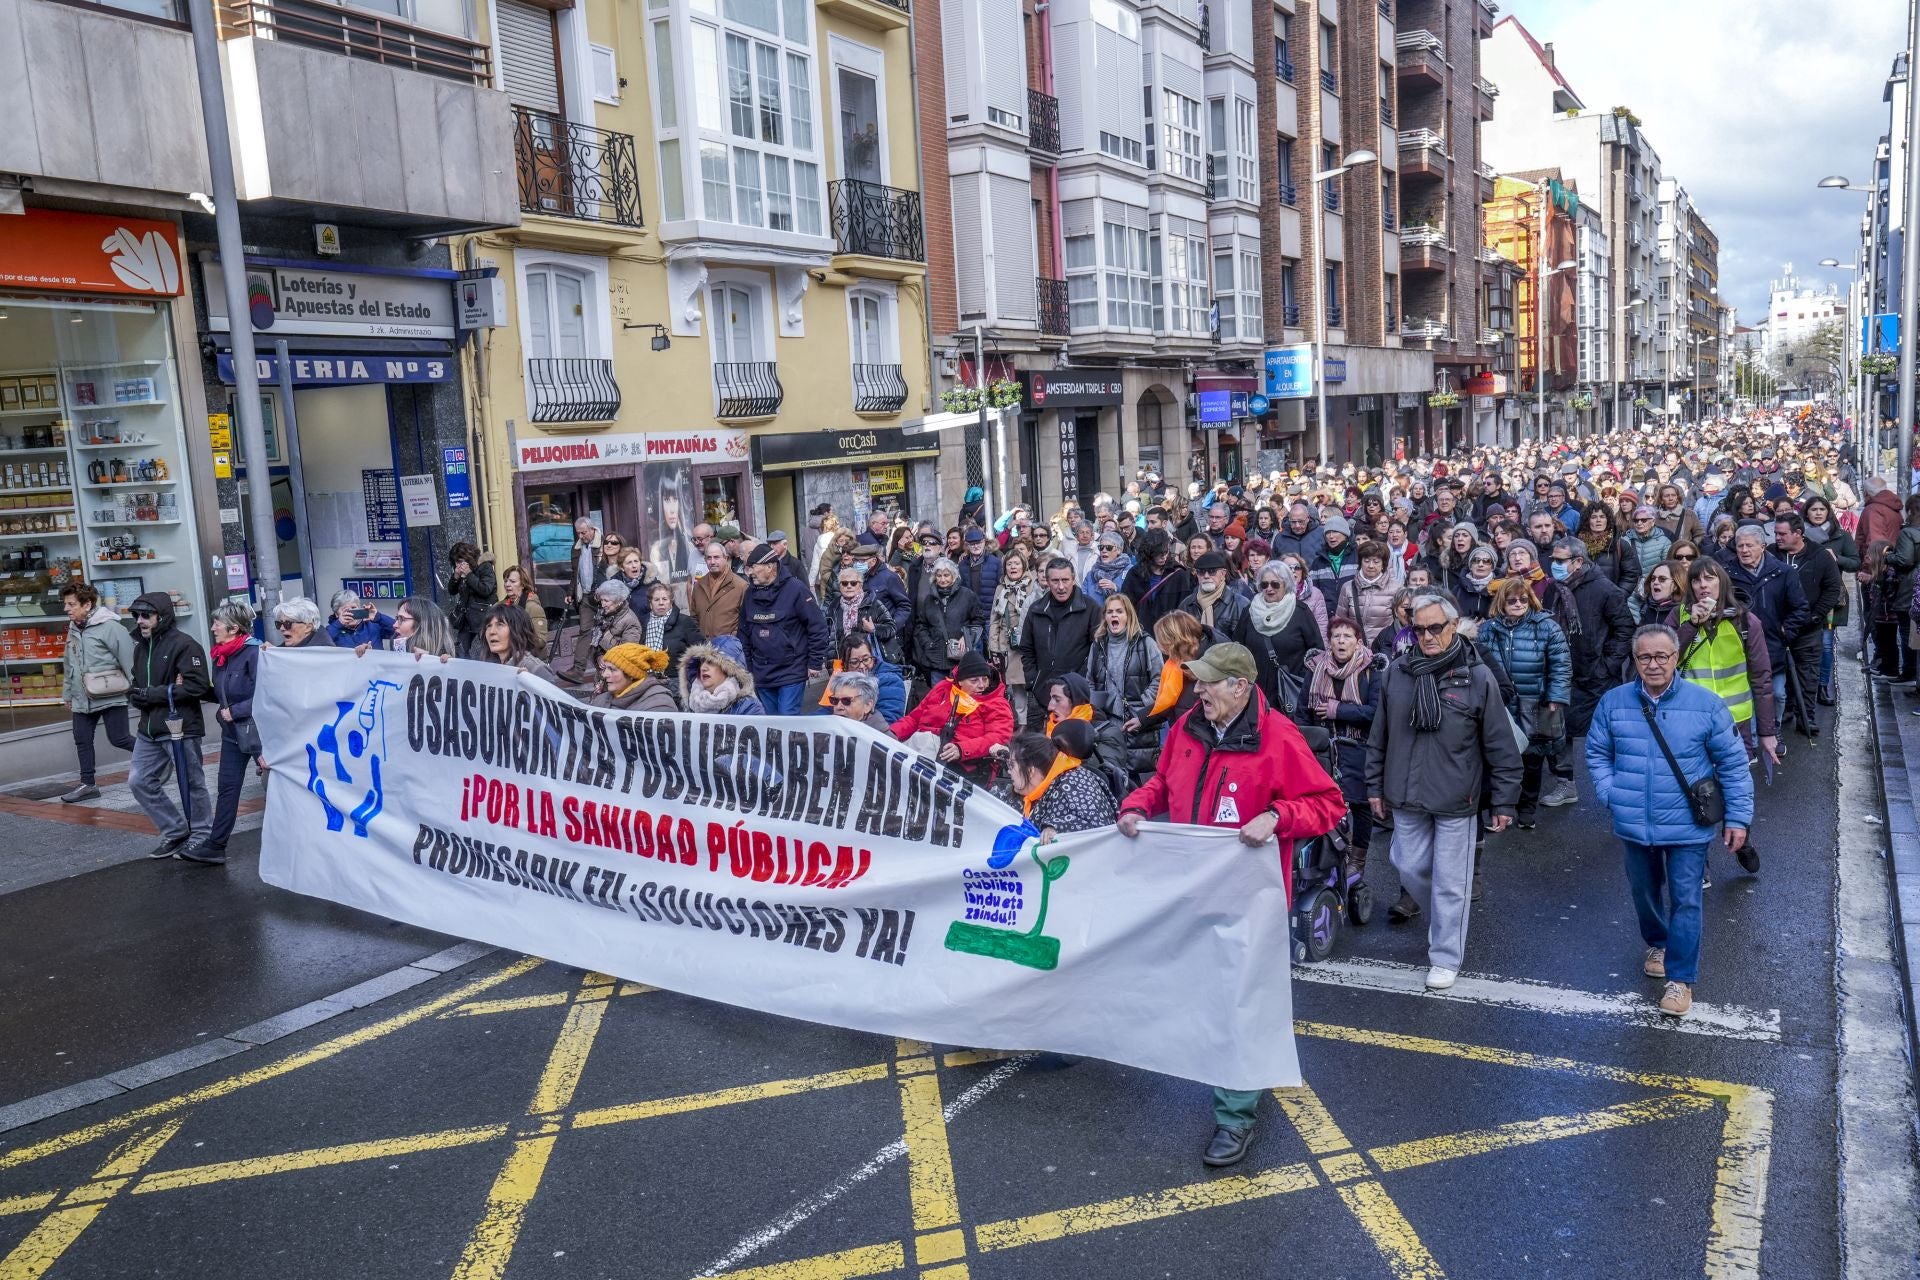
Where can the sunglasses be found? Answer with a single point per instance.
(1686, 559)
(1562, 559)
(845, 700)
(278, 626)
(1430, 629)
(143, 613)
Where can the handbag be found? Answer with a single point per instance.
(247, 736)
(1548, 722)
(105, 684)
(1704, 798)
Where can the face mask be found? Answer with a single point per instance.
(860, 567)
(1560, 570)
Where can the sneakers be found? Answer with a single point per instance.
(1525, 824)
(1656, 963)
(204, 855)
(1563, 792)
(1439, 979)
(1749, 858)
(1678, 1000)
(1706, 877)
(1403, 910)
(1229, 1146)
(167, 848)
(85, 791)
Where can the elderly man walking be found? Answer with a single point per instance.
(1441, 740)
(1652, 745)
(1233, 761)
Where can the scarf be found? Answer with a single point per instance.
(1062, 762)
(963, 703)
(1598, 544)
(1082, 712)
(1818, 533)
(656, 632)
(1011, 606)
(1478, 584)
(1425, 714)
(1209, 599)
(1326, 671)
(227, 648)
(712, 701)
(1173, 679)
(1271, 619)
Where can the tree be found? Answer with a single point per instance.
(1815, 359)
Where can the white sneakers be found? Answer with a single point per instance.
(1439, 979)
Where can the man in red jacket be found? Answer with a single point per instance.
(1232, 761)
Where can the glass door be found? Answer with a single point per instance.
(860, 140)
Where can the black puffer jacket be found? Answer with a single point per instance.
(469, 596)
(1057, 637)
(169, 660)
(1139, 682)
(939, 617)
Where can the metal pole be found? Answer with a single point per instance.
(1910, 259)
(295, 471)
(1540, 322)
(986, 438)
(264, 563)
(1320, 309)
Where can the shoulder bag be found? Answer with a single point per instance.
(110, 683)
(1704, 798)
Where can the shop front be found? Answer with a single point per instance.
(1084, 405)
(96, 480)
(859, 471)
(366, 443)
(650, 489)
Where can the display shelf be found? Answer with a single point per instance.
(45, 371)
(30, 662)
(115, 484)
(59, 488)
(42, 620)
(117, 404)
(36, 511)
(28, 453)
(128, 564)
(131, 524)
(39, 537)
(30, 702)
(118, 364)
(114, 444)
(30, 413)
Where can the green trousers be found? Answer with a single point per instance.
(1234, 1108)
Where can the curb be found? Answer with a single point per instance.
(375, 989)
(1899, 787)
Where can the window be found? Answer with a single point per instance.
(1283, 161)
(1246, 168)
(556, 308)
(872, 332)
(1336, 300)
(1179, 264)
(1127, 283)
(1328, 76)
(1236, 292)
(1217, 167)
(1120, 148)
(738, 313)
(752, 114)
(1180, 136)
(1283, 47)
(1389, 292)
(1289, 291)
(1083, 282)
(1224, 296)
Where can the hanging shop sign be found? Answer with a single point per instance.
(89, 252)
(336, 370)
(482, 302)
(1290, 372)
(709, 445)
(321, 300)
(1216, 407)
(453, 469)
(1336, 367)
(1484, 384)
(859, 444)
(1073, 388)
(1406, 400)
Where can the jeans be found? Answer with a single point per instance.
(1826, 661)
(115, 718)
(226, 801)
(1665, 881)
(1235, 1108)
(151, 776)
(784, 700)
(1434, 857)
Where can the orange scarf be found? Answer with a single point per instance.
(963, 703)
(1173, 680)
(1061, 763)
(1082, 712)
(826, 694)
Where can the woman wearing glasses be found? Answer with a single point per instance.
(298, 622)
(1280, 632)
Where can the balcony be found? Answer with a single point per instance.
(375, 120)
(1424, 248)
(1386, 113)
(1043, 122)
(878, 389)
(1636, 190)
(749, 389)
(569, 389)
(1490, 337)
(875, 221)
(1424, 330)
(1420, 59)
(569, 170)
(877, 15)
(1290, 314)
(1328, 81)
(1331, 197)
(1423, 153)
(1055, 317)
(1283, 66)
(1484, 92)
(1493, 257)
(1289, 196)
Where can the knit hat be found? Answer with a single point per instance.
(1337, 524)
(971, 667)
(1236, 528)
(762, 554)
(636, 660)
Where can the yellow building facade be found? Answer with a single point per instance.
(714, 307)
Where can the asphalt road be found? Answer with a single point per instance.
(522, 1119)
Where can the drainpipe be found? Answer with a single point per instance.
(1059, 247)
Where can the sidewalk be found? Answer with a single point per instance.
(1896, 734)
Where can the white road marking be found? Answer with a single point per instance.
(1729, 1021)
(786, 1222)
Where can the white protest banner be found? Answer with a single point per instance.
(804, 866)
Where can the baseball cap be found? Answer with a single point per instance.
(777, 535)
(1211, 562)
(727, 532)
(975, 535)
(1224, 661)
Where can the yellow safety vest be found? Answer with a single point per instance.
(1718, 660)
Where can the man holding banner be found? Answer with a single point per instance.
(1233, 761)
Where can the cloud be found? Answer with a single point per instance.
(1748, 105)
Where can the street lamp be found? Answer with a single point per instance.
(1540, 338)
(1856, 322)
(1351, 160)
(1617, 313)
(1870, 456)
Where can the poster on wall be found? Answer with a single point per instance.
(670, 517)
(381, 493)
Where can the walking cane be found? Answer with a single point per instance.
(176, 732)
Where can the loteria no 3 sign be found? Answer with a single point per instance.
(89, 253)
(715, 444)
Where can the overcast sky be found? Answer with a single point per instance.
(1749, 103)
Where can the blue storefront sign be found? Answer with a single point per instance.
(1336, 368)
(348, 370)
(1216, 408)
(1257, 404)
(1290, 372)
(453, 466)
(1880, 335)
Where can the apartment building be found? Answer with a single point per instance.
(1533, 221)
(715, 299)
(1703, 311)
(117, 336)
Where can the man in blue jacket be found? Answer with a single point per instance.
(782, 631)
(1666, 849)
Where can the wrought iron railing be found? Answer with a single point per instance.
(1386, 113)
(883, 222)
(1290, 314)
(1336, 314)
(1328, 80)
(572, 389)
(1288, 195)
(878, 388)
(572, 170)
(1043, 122)
(1056, 317)
(1387, 220)
(357, 33)
(1283, 66)
(1386, 9)
(1332, 197)
(748, 389)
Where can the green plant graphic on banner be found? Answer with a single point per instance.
(1033, 948)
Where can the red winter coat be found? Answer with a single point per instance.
(1262, 763)
(1879, 520)
(990, 725)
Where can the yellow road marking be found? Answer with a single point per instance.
(868, 1260)
(929, 1159)
(1520, 1133)
(316, 1158)
(271, 1071)
(623, 1112)
(27, 1204)
(1390, 1232)
(482, 1008)
(54, 1234)
(1085, 1219)
(973, 1057)
(1310, 1116)
(498, 1230)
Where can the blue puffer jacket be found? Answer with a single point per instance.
(1632, 778)
(783, 632)
(1534, 654)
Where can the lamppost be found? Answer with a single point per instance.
(1351, 160)
(1855, 325)
(1617, 313)
(1540, 335)
(1870, 457)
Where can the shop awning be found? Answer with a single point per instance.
(854, 447)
